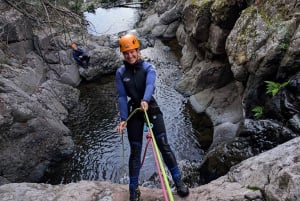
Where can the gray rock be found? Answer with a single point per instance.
(254, 179)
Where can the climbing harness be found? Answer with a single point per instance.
(158, 161)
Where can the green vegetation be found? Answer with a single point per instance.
(265, 15)
(258, 112)
(4, 61)
(91, 8)
(273, 87)
(148, 3)
(254, 188)
(203, 7)
(76, 6)
(107, 1)
(195, 3)
(219, 4)
(284, 42)
(283, 46)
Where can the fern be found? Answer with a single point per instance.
(258, 111)
(274, 87)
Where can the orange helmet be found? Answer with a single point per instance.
(73, 46)
(128, 42)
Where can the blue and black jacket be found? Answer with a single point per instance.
(137, 82)
(80, 52)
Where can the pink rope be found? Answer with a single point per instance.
(158, 169)
(145, 151)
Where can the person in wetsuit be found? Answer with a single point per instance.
(136, 79)
(80, 55)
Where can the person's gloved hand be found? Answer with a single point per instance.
(121, 126)
(144, 105)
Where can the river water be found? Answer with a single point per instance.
(111, 21)
(101, 154)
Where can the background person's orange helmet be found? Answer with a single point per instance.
(128, 42)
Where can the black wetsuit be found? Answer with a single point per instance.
(138, 83)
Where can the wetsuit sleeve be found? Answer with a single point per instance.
(82, 51)
(122, 96)
(150, 82)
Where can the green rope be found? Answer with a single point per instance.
(159, 159)
(132, 113)
(156, 150)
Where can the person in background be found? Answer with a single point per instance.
(80, 55)
(136, 79)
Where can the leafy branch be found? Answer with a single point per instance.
(274, 87)
(258, 111)
(44, 13)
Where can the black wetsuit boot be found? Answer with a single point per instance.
(135, 194)
(182, 189)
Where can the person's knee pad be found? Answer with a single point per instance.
(162, 143)
(166, 151)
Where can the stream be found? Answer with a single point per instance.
(100, 153)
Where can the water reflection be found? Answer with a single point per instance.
(111, 21)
